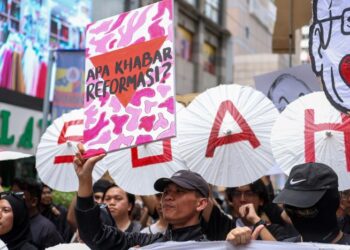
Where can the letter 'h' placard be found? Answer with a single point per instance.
(311, 128)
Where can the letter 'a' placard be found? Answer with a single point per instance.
(246, 133)
(224, 134)
(129, 79)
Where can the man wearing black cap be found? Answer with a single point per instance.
(311, 199)
(185, 196)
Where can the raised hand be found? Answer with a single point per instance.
(248, 214)
(83, 169)
(243, 235)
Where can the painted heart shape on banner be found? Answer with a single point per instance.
(123, 57)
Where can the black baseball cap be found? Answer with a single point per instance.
(185, 179)
(306, 185)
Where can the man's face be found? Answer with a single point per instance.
(180, 206)
(6, 217)
(331, 59)
(118, 203)
(244, 195)
(46, 196)
(98, 197)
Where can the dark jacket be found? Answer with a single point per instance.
(44, 233)
(60, 221)
(99, 236)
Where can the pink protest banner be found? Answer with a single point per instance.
(129, 91)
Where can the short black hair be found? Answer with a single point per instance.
(34, 188)
(45, 186)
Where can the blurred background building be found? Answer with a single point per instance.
(252, 24)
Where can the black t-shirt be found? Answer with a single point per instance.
(345, 240)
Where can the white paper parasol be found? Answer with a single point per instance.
(6, 155)
(136, 169)
(310, 129)
(224, 135)
(55, 153)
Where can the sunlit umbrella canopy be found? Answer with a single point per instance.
(310, 129)
(224, 135)
(56, 150)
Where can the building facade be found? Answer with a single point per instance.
(203, 52)
(251, 23)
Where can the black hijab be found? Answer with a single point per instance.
(20, 232)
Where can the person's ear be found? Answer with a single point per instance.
(202, 204)
(316, 47)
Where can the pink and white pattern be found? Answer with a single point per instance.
(150, 113)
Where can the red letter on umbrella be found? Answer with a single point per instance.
(63, 139)
(311, 128)
(247, 133)
(149, 160)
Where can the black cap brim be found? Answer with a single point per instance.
(161, 183)
(299, 198)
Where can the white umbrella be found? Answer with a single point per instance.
(55, 153)
(224, 135)
(6, 155)
(136, 169)
(310, 129)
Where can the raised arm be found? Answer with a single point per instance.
(91, 230)
(83, 169)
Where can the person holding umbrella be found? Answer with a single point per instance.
(185, 196)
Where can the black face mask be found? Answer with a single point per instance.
(318, 223)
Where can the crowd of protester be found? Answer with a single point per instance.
(102, 215)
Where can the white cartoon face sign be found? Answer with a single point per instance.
(330, 50)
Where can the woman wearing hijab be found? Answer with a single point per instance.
(14, 222)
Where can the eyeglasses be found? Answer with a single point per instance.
(301, 212)
(247, 194)
(345, 21)
(19, 195)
